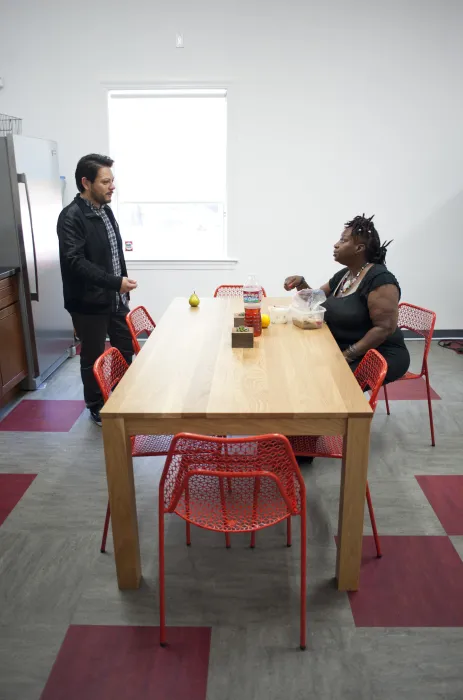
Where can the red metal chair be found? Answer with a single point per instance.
(109, 369)
(139, 321)
(420, 321)
(370, 375)
(232, 485)
(232, 290)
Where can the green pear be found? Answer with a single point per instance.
(194, 300)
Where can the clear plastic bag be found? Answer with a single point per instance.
(307, 311)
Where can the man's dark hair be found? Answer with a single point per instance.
(363, 229)
(88, 166)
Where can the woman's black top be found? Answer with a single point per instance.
(348, 318)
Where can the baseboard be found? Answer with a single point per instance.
(438, 335)
(10, 396)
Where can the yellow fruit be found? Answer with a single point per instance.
(194, 300)
(265, 320)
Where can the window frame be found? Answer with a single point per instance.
(220, 262)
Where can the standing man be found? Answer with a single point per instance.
(95, 284)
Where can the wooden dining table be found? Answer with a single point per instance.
(188, 378)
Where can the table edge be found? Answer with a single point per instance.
(367, 413)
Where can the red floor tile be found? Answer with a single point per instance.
(12, 489)
(417, 583)
(127, 663)
(43, 416)
(445, 494)
(408, 390)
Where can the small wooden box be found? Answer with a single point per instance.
(243, 339)
(238, 319)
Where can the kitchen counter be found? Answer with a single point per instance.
(7, 272)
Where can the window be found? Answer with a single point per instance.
(169, 148)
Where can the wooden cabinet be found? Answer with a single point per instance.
(13, 363)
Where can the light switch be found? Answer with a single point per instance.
(179, 41)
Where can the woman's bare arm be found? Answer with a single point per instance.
(383, 305)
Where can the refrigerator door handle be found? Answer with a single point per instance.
(22, 179)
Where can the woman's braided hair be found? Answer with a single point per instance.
(363, 229)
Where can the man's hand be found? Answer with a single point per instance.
(127, 285)
(293, 282)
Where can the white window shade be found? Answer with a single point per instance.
(169, 148)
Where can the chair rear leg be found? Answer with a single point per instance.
(386, 398)
(162, 593)
(431, 420)
(303, 578)
(373, 523)
(105, 529)
(224, 513)
(255, 502)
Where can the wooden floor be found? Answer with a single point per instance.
(408, 642)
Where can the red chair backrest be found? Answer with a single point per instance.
(420, 321)
(232, 290)
(240, 459)
(109, 370)
(370, 374)
(139, 321)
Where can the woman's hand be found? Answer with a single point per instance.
(350, 354)
(294, 282)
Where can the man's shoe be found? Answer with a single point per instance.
(95, 416)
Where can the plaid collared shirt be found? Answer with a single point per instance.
(100, 211)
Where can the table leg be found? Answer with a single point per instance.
(121, 488)
(352, 503)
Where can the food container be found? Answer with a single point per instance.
(308, 320)
(238, 319)
(278, 314)
(242, 337)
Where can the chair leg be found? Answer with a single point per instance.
(373, 523)
(162, 593)
(188, 534)
(255, 501)
(288, 532)
(303, 577)
(105, 529)
(224, 513)
(431, 420)
(386, 398)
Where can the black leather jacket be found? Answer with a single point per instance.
(85, 256)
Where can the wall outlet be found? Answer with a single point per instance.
(179, 41)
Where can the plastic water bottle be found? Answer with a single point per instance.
(252, 297)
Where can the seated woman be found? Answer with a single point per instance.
(362, 299)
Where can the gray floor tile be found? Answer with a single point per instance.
(43, 575)
(27, 654)
(458, 544)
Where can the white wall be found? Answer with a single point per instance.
(335, 107)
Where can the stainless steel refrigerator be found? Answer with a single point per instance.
(30, 202)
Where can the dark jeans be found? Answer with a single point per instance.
(92, 331)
